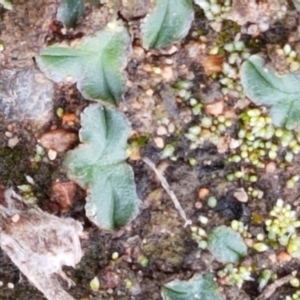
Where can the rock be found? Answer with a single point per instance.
(25, 94)
(58, 140)
(215, 108)
(159, 142)
(271, 167)
(283, 257)
(167, 73)
(69, 119)
(12, 142)
(202, 193)
(234, 143)
(63, 193)
(132, 9)
(241, 195)
(161, 130)
(52, 154)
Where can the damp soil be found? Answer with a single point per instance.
(155, 248)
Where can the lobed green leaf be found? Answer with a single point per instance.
(95, 63)
(170, 21)
(98, 165)
(226, 245)
(69, 11)
(200, 287)
(279, 93)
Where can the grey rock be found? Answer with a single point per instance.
(25, 94)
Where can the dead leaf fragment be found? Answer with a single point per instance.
(39, 244)
(212, 64)
(283, 257)
(63, 193)
(58, 140)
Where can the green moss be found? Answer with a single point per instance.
(14, 163)
(229, 29)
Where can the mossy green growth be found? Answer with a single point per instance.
(236, 276)
(14, 163)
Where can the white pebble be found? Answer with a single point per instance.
(10, 285)
(159, 142)
(12, 142)
(52, 154)
(171, 128)
(203, 220)
(161, 130)
(8, 134)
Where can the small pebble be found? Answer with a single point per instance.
(234, 143)
(215, 108)
(52, 154)
(171, 128)
(172, 50)
(15, 218)
(161, 130)
(167, 73)
(198, 205)
(69, 118)
(283, 257)
(169, 61)
(249, 242)
(149, 92)
(241, 195)
(203, 192)
(29, 179)
(156, 70)
(271, 167)
(115, 255)
(203, 220)
(10, 285)
(8, 134)
(159, 142)
(12, 142)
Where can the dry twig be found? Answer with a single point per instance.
(167, 188)
(270, 289)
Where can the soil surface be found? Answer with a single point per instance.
(155, 248)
